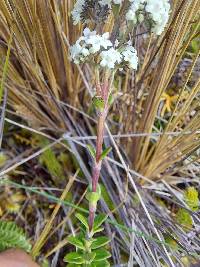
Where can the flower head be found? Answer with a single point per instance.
(105, 2)
(130, 56)
(110, 58)
(109, 2)
(76, 12)
(97, 41)
(93, 45)
(89, 43)
(157, 10)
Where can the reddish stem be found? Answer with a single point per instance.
(98, 161)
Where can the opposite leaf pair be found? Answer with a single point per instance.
(89, 250)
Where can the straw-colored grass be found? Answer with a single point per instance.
(160, 120)
(40, 74)
(39, 66)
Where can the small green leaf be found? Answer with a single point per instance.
(93, 197)
(99, 189)
(91, 150)
(83, 230)
(83, 220)
(89, 257)
(73, 265)
(99, 220)
(74, 257)
(98, 102)
(101, 254)
(110, 99)
(88, 243)
(12, 236)
(99, 242)
(106, 197)
(105, 153)
(98, 230)
(100, 264)
(89, 189)
(103, 263)
(76, 242)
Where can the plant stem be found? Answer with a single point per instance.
(97, 164)
(99, 144)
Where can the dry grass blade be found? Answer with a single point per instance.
(153, 158)
(155, 121)
(5, 66)
(39, 61)
(2, 90)
(44, 235)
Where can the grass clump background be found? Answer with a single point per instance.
(150, 180)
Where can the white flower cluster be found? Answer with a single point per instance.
(158, 11)
(110, 2)
(110, 57)
(79, 5)
(76, 12)
(91, 44)
(130, 56)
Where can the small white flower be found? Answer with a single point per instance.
(75, 51)
(87, 33)
(140, 18)
(116, 43)
(105, 42)
(110, 58)
(130, 56)
(95, 43)
(109, 2)
(105, 2)
(85, 52)
(76, 12)
(98, 41)
(131, 15)
(158, 11)
(117, 2)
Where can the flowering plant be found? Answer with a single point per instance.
(107, 53)
(92, 46)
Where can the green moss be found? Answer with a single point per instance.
(49, 159)
(192, 200)
(184, 218)
(169, 240)
(3, 159)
